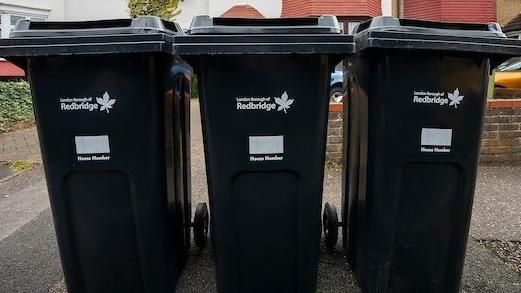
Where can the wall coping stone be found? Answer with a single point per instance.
(491, 104)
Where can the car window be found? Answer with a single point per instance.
(513, 67)
(510, 65)
(339, 66)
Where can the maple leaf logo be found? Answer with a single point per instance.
(106, 102)
(283, 102)
(455, 98)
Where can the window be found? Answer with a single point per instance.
(339, 66)
(341, 25)
(16, 18)
(351, 26)
(9, 20)
(513, 64)
(513, 67)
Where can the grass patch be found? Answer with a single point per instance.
(333, 165)
(15, 105)
(20, 165)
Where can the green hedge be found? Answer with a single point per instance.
(195, 87)
(15, 104)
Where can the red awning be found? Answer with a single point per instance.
(8, 69)
(242, 11)
(480, 11)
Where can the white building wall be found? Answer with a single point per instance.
(26, 7)
(72, 10)
(95, 9)
(27, 3)
(12, 11)
(268, 8)
(191, 8)
(387, 7)
(58, 10)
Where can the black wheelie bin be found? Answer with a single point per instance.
(263, 86)
(111, 106)
(416, 109)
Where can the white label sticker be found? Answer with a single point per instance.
(436, 140)
(436, 137)
(92, 144)
(266, 145)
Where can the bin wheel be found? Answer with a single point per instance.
(330, 223)
(201, 221)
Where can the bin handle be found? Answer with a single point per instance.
(78, 25)
(306, 21)
(387, 21)
(143, 22)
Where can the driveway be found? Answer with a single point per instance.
(30, 260)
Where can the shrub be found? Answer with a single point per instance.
(15, 104)
(194, 87)
(166, 9)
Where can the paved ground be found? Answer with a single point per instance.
(30, 259)
(20, 145)
(497, 207)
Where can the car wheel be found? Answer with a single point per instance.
(336, 95)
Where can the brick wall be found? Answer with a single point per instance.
(501, 142)
(334, 133)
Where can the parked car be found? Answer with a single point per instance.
(508, 74)
(336, 92)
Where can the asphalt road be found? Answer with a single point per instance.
(29, 259)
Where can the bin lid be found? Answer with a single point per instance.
(42, 38)
(206, 25)
(310, 35)
(392, 33)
